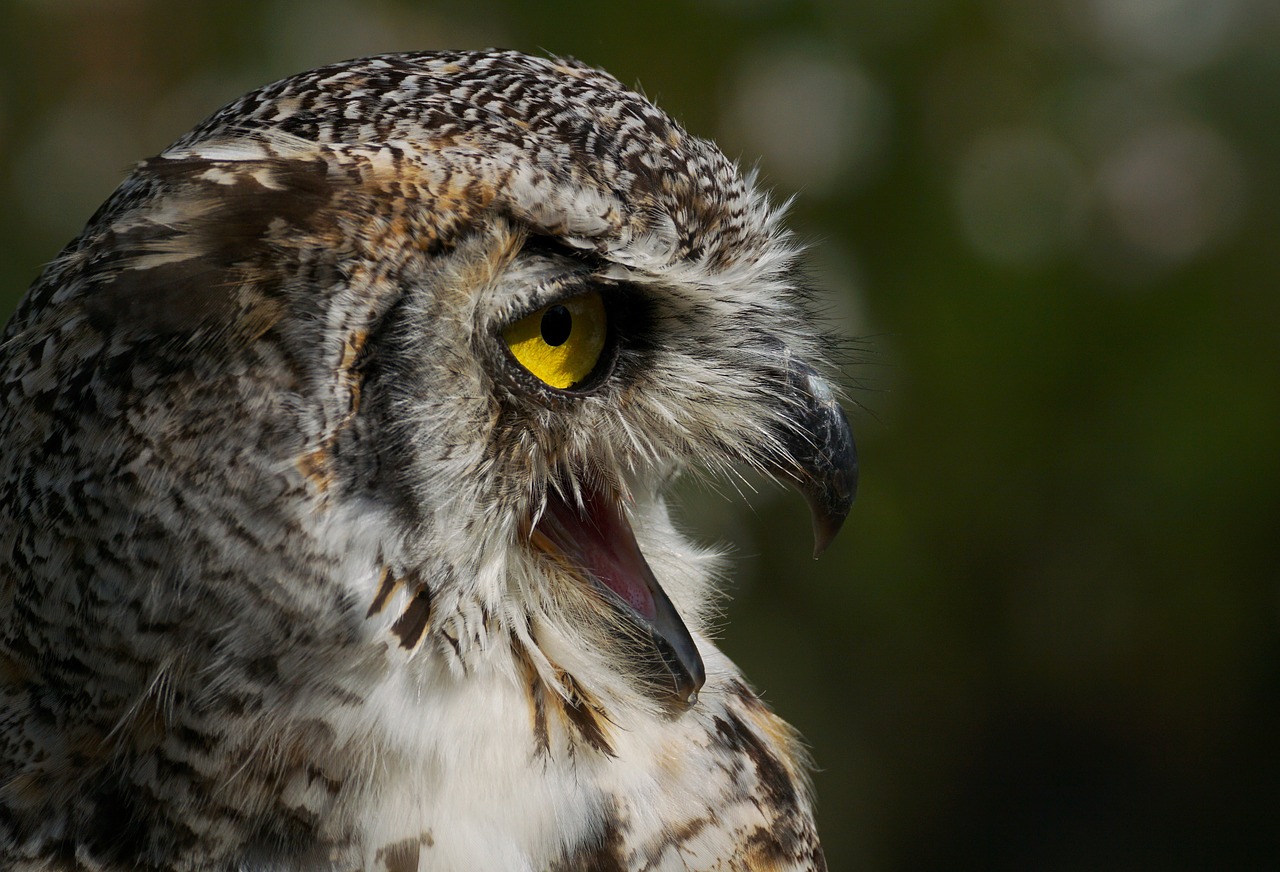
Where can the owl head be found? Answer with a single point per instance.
(386, 368)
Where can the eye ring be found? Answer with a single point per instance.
(562, 344)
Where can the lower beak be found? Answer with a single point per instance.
(592, 535)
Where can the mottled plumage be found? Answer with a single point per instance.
(303, 566)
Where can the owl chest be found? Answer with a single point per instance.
(478, 774)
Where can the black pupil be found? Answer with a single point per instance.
(557, 324)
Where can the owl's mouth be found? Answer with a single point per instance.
(585, 530)
(592, 534)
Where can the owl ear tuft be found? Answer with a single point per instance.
(200, 247)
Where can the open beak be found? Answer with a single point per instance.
(591, 537)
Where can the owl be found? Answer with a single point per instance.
(334, 454)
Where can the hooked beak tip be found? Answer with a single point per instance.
(822, 458)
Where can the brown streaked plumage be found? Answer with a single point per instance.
(304, 565)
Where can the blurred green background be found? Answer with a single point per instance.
(1047, 638)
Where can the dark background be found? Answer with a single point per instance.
(1047, 638)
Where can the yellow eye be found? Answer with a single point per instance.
(561, 343)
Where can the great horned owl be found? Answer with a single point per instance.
(333, 453)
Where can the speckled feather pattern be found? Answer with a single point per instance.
(266, 592)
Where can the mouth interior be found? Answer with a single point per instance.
(597, 539)
(591, 537)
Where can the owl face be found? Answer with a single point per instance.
(588, 386)
(364, 396)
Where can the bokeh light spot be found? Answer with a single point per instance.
(1173, 190)
(1174, 34)
(817, 120)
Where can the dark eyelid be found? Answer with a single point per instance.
(558, 292)
(556, 247)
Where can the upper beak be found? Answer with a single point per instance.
(820, 458)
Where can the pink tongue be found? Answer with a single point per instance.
(598, 538)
